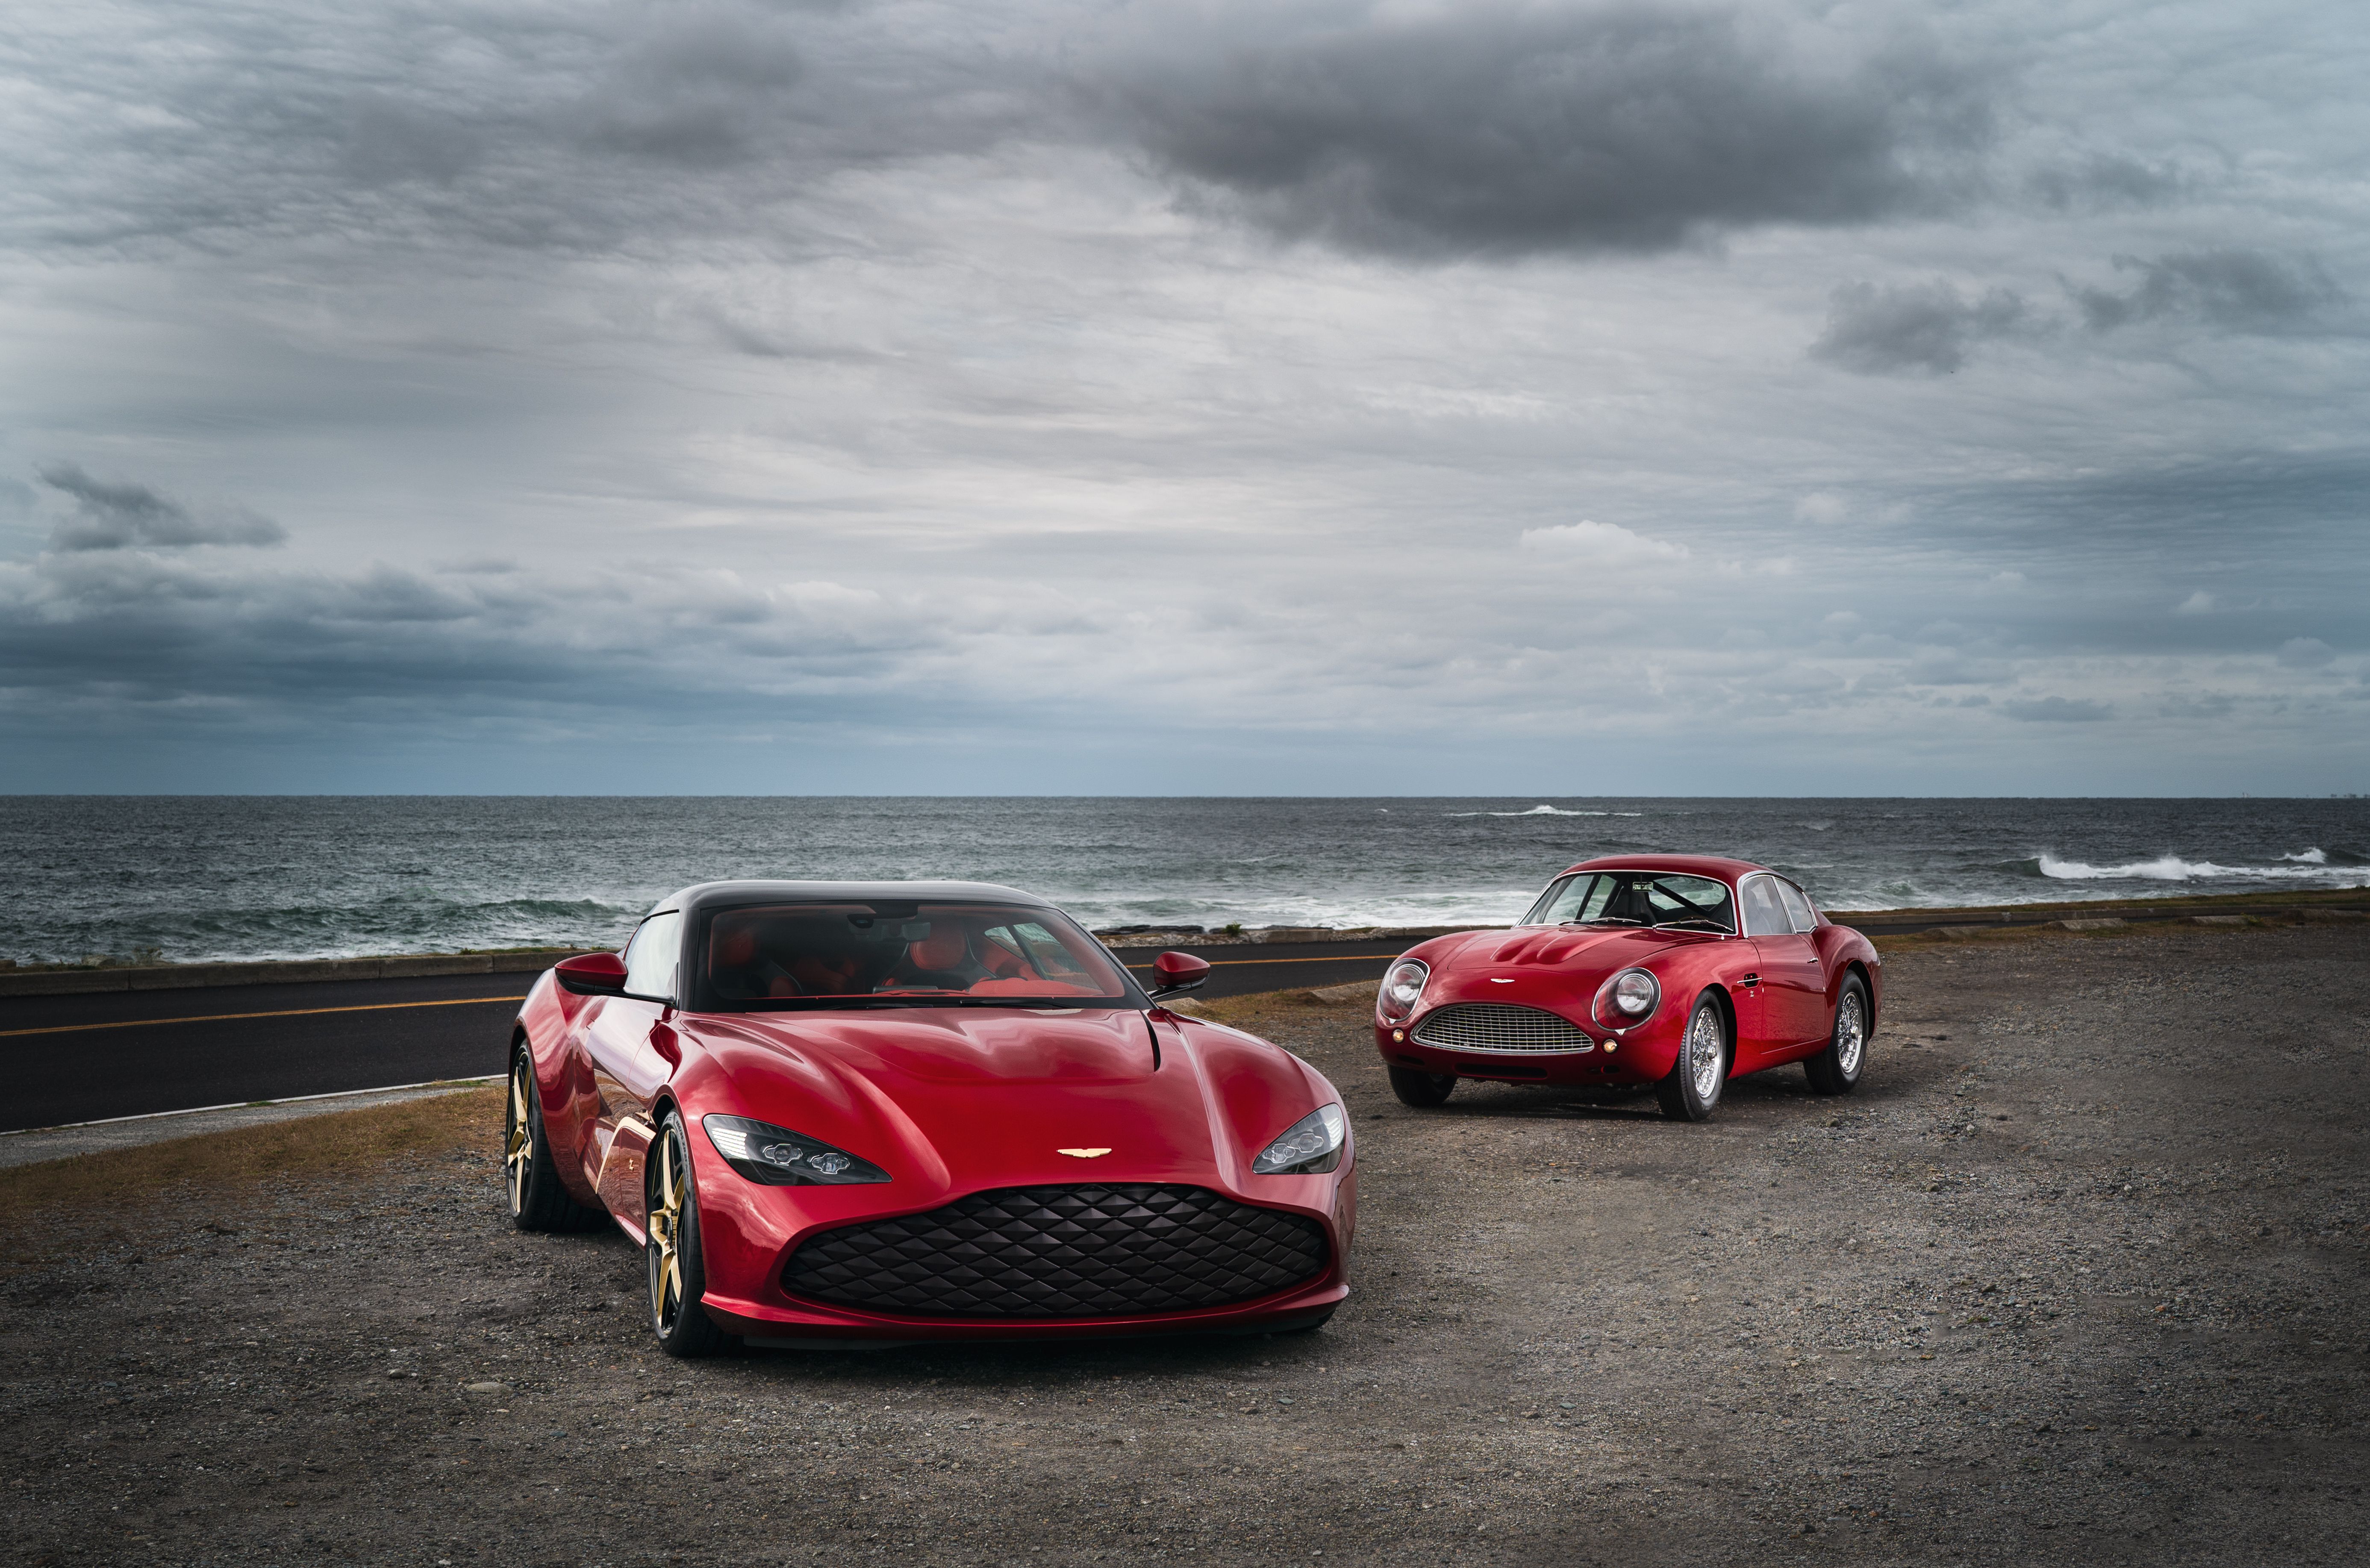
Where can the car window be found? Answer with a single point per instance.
(651, 957)
(1639, 898)
(1571, 898)
(1764, 916)
(823, 953)
(1798, 909)
(1698, 899)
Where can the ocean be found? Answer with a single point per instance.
(222, 877)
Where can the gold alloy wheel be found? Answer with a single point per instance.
(666, 1234)
(518, 1134)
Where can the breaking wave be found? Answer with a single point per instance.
(2312, 863)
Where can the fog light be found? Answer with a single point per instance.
(1399, 1036)
(1611, 1046)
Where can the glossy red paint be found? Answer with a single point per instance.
(1176, 971)
(592, 974)
(1779, 991)
(950, 1101)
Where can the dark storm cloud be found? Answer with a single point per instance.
(2237, 290)
(113, 516)
(223, 639)
(1912, 328)
(1493, 133)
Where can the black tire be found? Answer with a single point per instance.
(1423, 1090)
(530, 1176)
(671, 1258)
(1691, 1091)
(1836, 1070)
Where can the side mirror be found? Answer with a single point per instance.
(1174, 973)
(592, 975)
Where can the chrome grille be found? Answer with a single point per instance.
(1496, 1026)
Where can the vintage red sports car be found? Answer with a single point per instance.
(919, 1110)
(1636, 970)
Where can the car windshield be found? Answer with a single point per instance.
(846, 955)
(1635, 898)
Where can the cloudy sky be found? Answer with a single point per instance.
(1744, 398)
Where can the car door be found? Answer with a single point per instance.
(1793, 980)
(631, 1048)
(1763, 1024)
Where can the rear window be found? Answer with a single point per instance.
(838, 954)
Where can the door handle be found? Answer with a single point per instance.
(1753, 980)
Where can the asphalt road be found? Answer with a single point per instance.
(88, 1058)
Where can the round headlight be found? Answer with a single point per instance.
(1401, 988)
(1635, 993)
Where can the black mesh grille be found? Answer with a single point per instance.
(1062, 1253)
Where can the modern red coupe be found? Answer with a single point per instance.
(1637, 970)
(920, 1111)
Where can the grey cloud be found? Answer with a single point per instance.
(113, 516)
(1911, 330)
(1494, 132)
(2108, 180)
(703, 88)
(2237, 290)
(2057, 710)
(2306, 653)
(568, 130)
(388, 140)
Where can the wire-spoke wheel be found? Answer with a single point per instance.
(672, 1255)
(530, 1175)
(1691, 1090)
(1836, 1071)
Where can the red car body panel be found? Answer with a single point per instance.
(1781, 991)
(951, 1102)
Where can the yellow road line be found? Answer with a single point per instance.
(226, 1018)
(474, 1001)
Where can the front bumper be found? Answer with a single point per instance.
(749, 1235)
(1642, 1055)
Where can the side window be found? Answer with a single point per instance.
(651, 957)
(1763, 914)
(1798, 909)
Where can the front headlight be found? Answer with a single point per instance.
(779, 1157)
(1310, 1145)
(1401, 989)
(1634, 993)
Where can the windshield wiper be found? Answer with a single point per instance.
(1608, 920)
(1702, 920)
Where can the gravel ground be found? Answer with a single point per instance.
(2078, 1276)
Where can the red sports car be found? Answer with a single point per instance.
(918, 1110)
(1637, 970)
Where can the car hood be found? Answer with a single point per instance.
(1558, 967)
(968, 1098)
